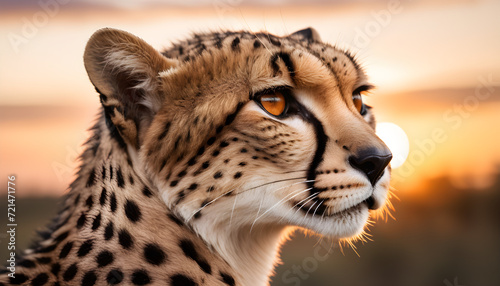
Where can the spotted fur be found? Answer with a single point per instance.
(186, 180)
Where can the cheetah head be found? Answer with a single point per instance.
(244, 131)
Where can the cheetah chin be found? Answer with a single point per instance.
(204, 156)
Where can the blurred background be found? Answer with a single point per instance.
(436, 65)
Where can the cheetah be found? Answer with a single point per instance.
(205, 155)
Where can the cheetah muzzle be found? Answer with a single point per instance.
(205, 155)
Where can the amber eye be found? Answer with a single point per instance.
(357, 99)
(274, 103)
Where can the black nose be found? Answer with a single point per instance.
(372, 162)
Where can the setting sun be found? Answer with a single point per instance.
(395, 138)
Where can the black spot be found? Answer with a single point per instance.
(218, 175)
(237, 175)
(219, 128)
(70, 273)
(193, 187)
(210, 189)
(103, 197)
(182, 173)
(89, 202)
(163, 163)
(132, 211)
(26, 263)
(44, 260)
(154, 254)
(210, 141)
(256, 44)
(173, 183)
(165, 131)
(243, 150)
(56, 267)
(89, 279)
(81, 221)
(235, 43)
(131, 179)
(125, 239)
(65, 250)
(140, 277)
(62, 236)
(242, 164)
(114, 277)
(104, 258)
(110, 172)
(119, 178)
(112, 202)
(175, 219)
(97, 222)
(216, 153)
(18, 279)
(197, 215)
(147, 192)
(205, 164)
(274, 41)
(188, 248)
(180, 196)
(334, 59)
(228, 279)
(205, 203)
(192, 161)
(103, 172)
(109, 231)
(223, 144)
(190, 251)
(255, 157)
(218, 42)
(85, 248)
(181, 280)
(201, 151)
(91, 179)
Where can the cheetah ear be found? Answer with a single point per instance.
(307, 34)
(124, 70)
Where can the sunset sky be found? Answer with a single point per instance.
(436, 65)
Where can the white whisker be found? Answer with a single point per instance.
(191, 216)
(280, 202)
(317, 207)
(252, 188)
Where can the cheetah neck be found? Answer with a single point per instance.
(250, 251)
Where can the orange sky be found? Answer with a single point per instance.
(425, 58)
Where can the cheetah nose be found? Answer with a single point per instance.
(372, 162)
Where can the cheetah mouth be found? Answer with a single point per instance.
(369, 202)
(323, 211)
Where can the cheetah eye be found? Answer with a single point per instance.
(273, 102)
(357, 99)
